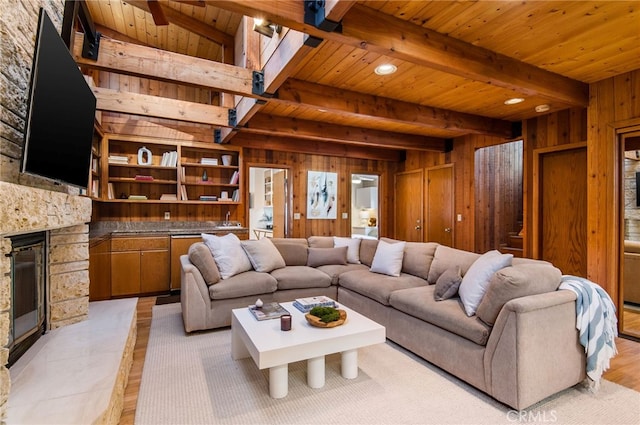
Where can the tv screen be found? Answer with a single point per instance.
(60, 113)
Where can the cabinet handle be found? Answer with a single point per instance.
(447, 229)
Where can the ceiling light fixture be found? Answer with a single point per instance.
(265, 27)
(513, 101)
(386, 69)
(542, 108)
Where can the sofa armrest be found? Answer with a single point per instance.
(534, 350)
(194, 296)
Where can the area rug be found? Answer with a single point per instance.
(192, 379)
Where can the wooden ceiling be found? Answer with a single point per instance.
(458, 61)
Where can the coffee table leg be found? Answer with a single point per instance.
(349, 364)
(279, 381)
(315, 372)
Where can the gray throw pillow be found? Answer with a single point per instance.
(201, 257)
(327, 256)
(447, 284)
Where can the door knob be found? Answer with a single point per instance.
(447, 229)
(418, 227)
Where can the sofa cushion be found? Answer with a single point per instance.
(376, 286)
(448, 314)
(201, 257)
(353, 248)
(418, 257)
(321, 242)
(242, 285)
(476, 280)
(321, 256)
(228, 254)
(515, 282)
(368, 250)
(447, 284)
(388, 258)
(263, 254)
(294, 277)
(335, 270)
(446, 258)
(293, 250)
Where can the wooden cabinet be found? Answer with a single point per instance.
(139, 265)
(145, 170)
(179, 246)
(100, 269)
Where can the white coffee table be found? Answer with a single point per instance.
(269, 347)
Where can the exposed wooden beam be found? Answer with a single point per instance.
(161, 107)
(296, 92)
(147, 62)
(320, 131)
(368, 29)
(188, 23)
(115, 123)
(157, 13)
(285, 144)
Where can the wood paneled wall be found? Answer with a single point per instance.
(300, 163)
(614, 105)
(498, 192)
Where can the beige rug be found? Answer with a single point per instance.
(191, 379)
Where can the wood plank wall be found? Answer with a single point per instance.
(614, 104)
(300, 163)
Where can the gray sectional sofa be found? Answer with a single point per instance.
(520, 346)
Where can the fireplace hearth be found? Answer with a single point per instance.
(27, 316)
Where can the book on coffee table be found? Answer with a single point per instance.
(306, 304)
(268, 311)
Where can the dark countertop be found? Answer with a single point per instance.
(129, 228)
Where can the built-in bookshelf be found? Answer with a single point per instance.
(144, 170)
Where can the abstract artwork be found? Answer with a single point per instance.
(322, 195)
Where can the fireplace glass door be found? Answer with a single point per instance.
(28, 294)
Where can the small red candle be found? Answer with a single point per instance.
(285, 322)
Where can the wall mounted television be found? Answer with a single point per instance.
(60, 113)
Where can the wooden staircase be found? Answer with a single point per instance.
(514, 246)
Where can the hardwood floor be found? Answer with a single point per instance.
(624, 370)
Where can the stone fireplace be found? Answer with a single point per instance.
(64, 219)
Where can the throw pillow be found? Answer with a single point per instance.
(263, 254)
(476, 279)
(515, 282)
(388, 258)
(353, 248)
(327, 256)
(228, 254)
(446, 257)
(447, 284)
(200, 256)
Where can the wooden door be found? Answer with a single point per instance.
(560, 219)
(125, 273)
(279, 190)
(409, 206)
(440, 197)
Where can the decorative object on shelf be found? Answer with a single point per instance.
(322, 195)
(224, 194)
(326, 317)
(204, 176)
(209, 161)
(226, 159)
(259, 303)
(144, 156)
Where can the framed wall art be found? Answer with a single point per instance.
(322, 195)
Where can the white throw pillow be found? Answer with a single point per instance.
(476, 280)
(388, 258)
(353, 248)
(263, 254)
(228, 254)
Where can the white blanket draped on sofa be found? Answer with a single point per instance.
(596, 320)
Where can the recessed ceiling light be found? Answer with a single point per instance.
(386, 69)
(542, 108)
(513, 101)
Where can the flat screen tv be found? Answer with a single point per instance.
(60, 114)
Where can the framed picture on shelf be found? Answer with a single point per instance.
(322, 195)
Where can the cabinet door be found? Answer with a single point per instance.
(179, 246)
(100, 271)
(125, 273)
(154, 271)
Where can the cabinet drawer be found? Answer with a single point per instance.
(138, 244)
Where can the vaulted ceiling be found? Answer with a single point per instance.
(457, 63)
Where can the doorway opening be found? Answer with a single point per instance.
(365, 216)
(268, 202)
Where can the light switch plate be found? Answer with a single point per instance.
(167, 215)
(296, 216)
(345, 215)
(459, 217)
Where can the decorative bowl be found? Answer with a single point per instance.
(315, 321)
